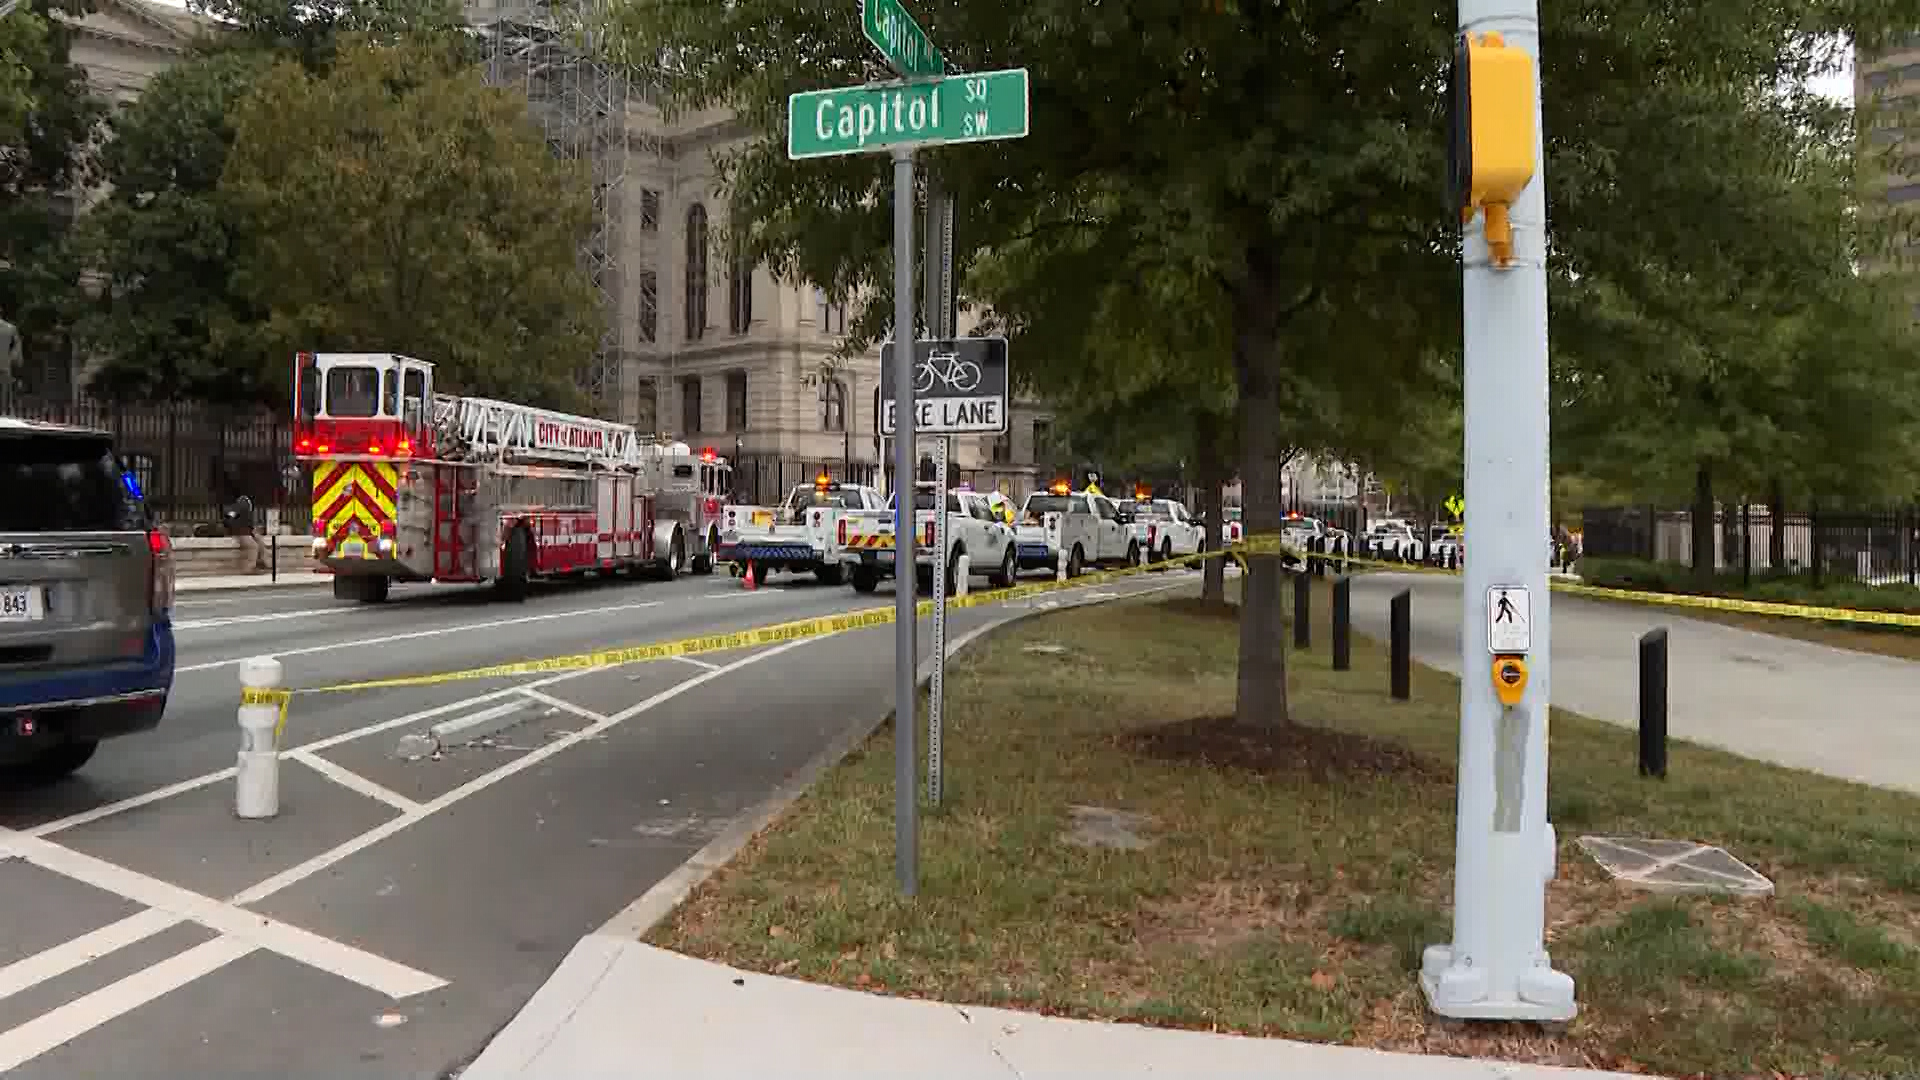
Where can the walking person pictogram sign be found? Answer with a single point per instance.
(1509, 620)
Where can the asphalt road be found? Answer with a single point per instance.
(398, 912)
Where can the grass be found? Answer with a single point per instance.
(1896, 641)
(1289, 887)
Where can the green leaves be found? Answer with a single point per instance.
(396, 204)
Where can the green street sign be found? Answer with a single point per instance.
(980, 107)
(900, 39)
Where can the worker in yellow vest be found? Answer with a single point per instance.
(1093, 484)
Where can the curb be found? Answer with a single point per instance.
(667, 894)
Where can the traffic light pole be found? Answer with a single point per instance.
(1496, 966)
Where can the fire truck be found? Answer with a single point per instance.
(410, 485)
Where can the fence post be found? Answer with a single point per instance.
(1746, 544)
(1813, 529)
(1302, 609)
(1342, 625)
(1653, 704)
(1402, 644)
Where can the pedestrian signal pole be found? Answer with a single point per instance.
(1496, 966)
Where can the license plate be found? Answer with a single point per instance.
(353, 548)
(21, 604)
(763, 517)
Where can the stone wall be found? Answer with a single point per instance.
(199, 556)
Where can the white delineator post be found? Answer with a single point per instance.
(1496, 966)
(257, 777)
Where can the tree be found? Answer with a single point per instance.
(168, 324)
(1285, 159)
(398, 204)
(311, 31)
(44, 158)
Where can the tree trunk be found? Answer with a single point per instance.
(1262, 692)
(1212, 466)
(1701, 521)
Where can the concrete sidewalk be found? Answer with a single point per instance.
(229, 582)
(1835, 711)
(617, 1008)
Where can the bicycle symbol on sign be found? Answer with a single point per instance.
(947, 367)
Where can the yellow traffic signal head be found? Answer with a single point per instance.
(1490, 154)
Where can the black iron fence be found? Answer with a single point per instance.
(1871, 547)
(192, 458)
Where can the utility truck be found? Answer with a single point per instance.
(803, 535)
(1075, 529)
(973, 530)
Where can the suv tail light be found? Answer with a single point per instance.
(160, 571)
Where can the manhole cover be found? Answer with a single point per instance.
(1675, 866)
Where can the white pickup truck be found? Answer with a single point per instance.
(866, 541)
(1081, 528)
(1164, 529)
(800, 536)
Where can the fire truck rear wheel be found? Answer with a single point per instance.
(676, 559)
(703, 563)
(515, 564)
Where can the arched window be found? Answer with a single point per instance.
(833, 405)
(696, 272)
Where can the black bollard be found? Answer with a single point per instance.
(273, 563)
(1302, 610)
(1320, 564)
(1653, 704)
(1342, 626)
(1402, 644)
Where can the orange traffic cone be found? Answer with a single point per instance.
(746, 580)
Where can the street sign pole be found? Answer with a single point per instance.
(906, 771)
(937, 686)
(934, 301)
(1496, 966)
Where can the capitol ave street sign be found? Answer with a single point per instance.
(900, 39)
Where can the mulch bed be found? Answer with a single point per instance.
(1296, 748)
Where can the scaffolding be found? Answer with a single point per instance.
(543, 50)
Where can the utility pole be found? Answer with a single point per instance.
(1496, 966)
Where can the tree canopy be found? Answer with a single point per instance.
(1285, 164)
(397, 203)
(335, 176)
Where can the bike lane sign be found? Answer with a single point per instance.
(959, 387)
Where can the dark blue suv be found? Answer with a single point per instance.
(86, 599)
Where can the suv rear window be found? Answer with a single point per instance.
(58, 483)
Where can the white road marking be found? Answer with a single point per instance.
(739, 594)
(133, 802)
(361, 643)
(30, 971)
(697, 662)
(295, 875)
(273, 616)
(356, 965)
(353, 781)
(60, 1026)
(564, 705)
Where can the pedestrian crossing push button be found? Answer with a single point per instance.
(1509, 679)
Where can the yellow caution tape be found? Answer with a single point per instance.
(1679, 600)
(775, 634)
